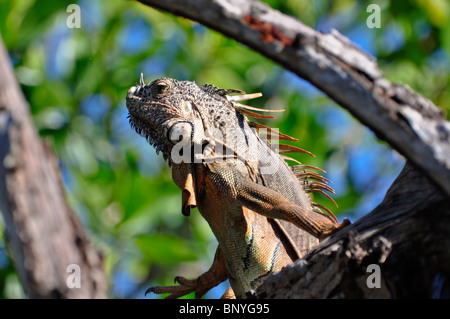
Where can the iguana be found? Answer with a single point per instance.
(257, 206)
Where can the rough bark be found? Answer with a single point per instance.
(44, 236)
(407, 235)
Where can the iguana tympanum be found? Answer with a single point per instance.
(257, 206)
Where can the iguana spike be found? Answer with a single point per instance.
(287, 158)
(229, 91)
(281, 136)
(330, 213)
(284, 148)
(255, 115)
(304, 170)
(314, 185)
(324, 194)
(301, 166)
(251, 108)
(141, 80)
(241, 97)
(304, 174)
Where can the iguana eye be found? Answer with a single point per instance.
(161, 87)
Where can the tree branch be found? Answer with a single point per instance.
(410, 123)
(43, 234)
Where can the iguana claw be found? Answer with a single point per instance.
(186, 286)
(183, 289)
(334, 228)
(214, 276)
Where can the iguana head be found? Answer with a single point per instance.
(169, 112)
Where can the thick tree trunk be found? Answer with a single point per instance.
(407, 235)
(44, 235)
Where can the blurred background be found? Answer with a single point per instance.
(76, 81)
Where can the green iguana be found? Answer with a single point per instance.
(257, 206)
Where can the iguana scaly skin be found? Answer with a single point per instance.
(256, 205)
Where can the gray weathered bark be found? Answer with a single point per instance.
(407, 235)
(44, 235)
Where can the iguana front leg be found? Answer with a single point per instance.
(215, 275)
(270, 203)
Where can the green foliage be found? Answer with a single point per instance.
(76, 82)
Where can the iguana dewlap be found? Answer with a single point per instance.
(257, 206)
